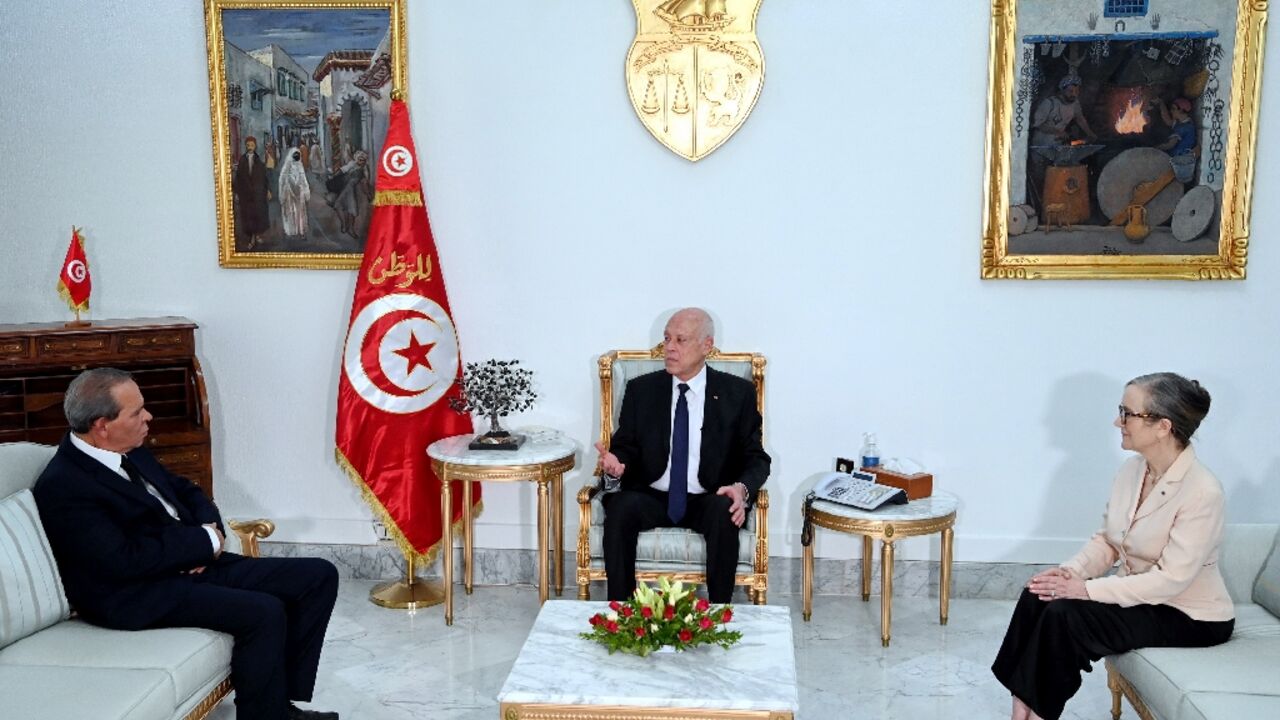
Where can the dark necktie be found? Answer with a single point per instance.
(135, 476)
(678, 490)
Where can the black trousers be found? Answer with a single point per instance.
(1048, 644)
(277, 610)
(629, 512)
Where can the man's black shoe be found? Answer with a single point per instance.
(297, 713)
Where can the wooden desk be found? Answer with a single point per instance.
(39, 360)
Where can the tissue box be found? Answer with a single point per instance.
(916, 485)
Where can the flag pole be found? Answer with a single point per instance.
(66, 291)
(77, 323)
(411, 593)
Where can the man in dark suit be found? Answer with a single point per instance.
(139, 547)
(252, 188)
(688, 452)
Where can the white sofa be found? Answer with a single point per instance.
(56, 667)
(1238, 679)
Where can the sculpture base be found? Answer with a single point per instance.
(501, 440)
(400, 595)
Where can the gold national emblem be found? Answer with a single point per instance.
(694, 71)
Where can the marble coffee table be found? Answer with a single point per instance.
(560, 675)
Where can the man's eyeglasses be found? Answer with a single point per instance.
(1126, 413)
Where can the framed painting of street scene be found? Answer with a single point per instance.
(299, 94)
(1120, 138)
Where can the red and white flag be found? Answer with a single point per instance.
(400, 365)
(74, 284)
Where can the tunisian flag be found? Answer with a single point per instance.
(400, 364)
(74, 284)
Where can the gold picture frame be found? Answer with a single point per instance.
(297, 118)
(1098, 107)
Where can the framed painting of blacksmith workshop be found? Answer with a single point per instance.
(299, 94)
(1120, 138)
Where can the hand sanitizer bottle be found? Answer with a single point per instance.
(870, 452)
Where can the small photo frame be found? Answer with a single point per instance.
(845, 465)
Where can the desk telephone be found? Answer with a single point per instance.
(856, 489)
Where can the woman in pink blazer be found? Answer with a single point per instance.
(1161, 531)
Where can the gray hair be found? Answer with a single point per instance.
(706, 326)
(89, 397)
(1184, 403)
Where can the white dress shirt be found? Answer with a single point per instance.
(112, 461)
(696, 397)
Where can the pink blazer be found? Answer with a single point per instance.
(1166, 549)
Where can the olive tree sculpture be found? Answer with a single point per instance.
(495, 389)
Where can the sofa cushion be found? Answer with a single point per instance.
(1228, 706)
(1266, 590)
(1256, 621)
(31, 595)
(102, 694)
(1245, 548)
(1163, 675)
(21, 464)
(189, 658)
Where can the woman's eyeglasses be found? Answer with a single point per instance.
(1126, 413)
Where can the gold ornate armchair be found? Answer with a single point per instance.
(674, 552)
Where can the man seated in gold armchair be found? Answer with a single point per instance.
(688, 451)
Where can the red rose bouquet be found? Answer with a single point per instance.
(669, 615)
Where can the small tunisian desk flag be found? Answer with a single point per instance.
(400, 365)
(73, 282)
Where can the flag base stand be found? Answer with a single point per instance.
(412, 593)
(402, 595)
(77, 323)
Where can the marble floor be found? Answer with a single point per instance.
(381, 664)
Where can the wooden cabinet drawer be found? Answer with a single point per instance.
(15, 348)
(177, 342)
(73, 345)
(183, 459)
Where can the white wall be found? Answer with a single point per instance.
(838, 232)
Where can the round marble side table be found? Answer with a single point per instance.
(542, 459)
(888, 523)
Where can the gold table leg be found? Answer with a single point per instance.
(945, 579)
(886, 590)
(557, 518)
(866, 568)
(544, 523)
(468, 537)
(806, 580)
(446, 544)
